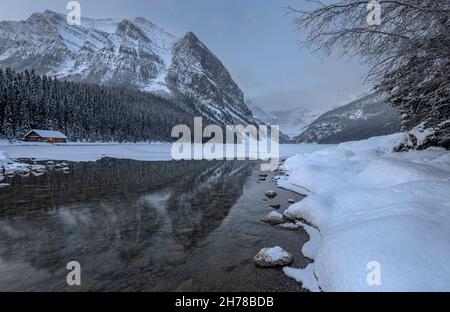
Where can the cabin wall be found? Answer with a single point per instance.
(56, 140)
(41, 139)
(32, 139)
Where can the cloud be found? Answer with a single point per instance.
(246, 78)
(317, 99)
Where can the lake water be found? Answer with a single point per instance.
(143, 226)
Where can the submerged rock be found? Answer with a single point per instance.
(177, 258)
(273, 218)
(275, 206)
(272, 257)
(271, 194)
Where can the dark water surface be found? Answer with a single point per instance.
(143, 226)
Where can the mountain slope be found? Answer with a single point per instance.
(291, 122)
(126, 53)
(294, 121)
(261, 114)
(361, 119)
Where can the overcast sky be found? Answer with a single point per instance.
(254, 38)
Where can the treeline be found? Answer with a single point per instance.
(87, 112)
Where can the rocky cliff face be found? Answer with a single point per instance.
(196, 71)
(128, 53)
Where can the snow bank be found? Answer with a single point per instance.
(375, 206)
(311, 248)
(8, 167)
(3, 158)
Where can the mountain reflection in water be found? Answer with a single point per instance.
(121, 219)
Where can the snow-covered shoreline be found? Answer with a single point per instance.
(375, 209)
(11, 167)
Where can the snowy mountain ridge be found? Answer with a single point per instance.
(363, 118)
(124, 53)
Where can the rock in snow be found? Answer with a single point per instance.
(273, 218)
(272, 257)
(290, 226)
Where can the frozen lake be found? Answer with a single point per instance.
(93, 152)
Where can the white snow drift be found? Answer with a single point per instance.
(375, 206)
(9, 167)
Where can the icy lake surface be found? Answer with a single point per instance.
(143, 226)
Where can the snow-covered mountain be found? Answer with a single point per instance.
(291, 122)
(128, 53)
(295, 121)
(261, 114)
(361, 119)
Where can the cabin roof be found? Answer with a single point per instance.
(47, 134)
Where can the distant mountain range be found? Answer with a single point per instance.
(126, 53)
(291, 122)
(363, 118)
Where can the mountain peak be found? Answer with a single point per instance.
(128, 53)
(46, 14)
(190, 36)
(50, 13)
(143, 20)
(191, 39)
